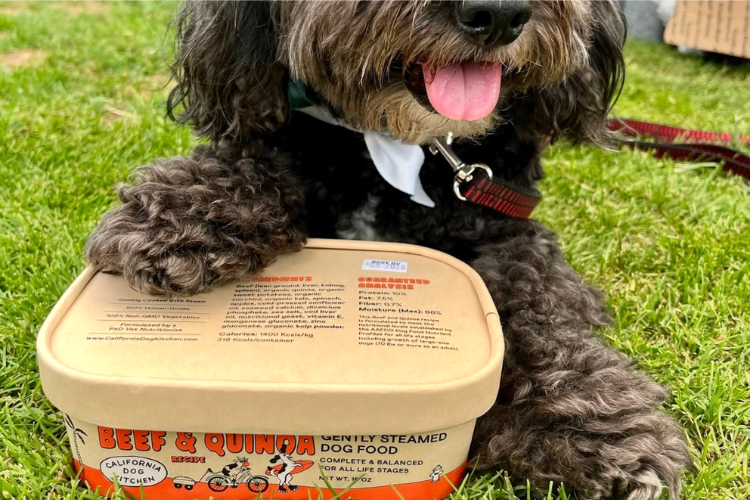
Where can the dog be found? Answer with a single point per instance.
(285, 472)
(500, 76)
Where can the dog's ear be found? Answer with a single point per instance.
(577, 109)
(229, 83)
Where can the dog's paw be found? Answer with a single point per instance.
(645, 483)
(188, 225)
(643, 486)
(636, 457)
(150, 256)
(633, 457)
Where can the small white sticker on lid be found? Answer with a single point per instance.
(395, 266)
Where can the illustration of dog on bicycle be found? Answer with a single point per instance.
(231, 475)
(237, 473)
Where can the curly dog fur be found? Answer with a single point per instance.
(570, 408)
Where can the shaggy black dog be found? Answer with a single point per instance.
(570, 408)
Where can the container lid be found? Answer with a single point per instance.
(343, 337)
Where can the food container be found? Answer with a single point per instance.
(348, 368)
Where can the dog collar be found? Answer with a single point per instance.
(399, 164)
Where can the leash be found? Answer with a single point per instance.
(476, 183)
(684, 144)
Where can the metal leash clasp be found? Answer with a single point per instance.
(462, 172)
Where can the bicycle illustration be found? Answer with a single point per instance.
(233, 475)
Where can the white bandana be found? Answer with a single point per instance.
(398, 163)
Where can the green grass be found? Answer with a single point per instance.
(670, 245)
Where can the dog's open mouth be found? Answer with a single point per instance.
(463, 91)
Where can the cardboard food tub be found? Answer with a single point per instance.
(347, 367)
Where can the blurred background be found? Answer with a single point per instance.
(82, 86)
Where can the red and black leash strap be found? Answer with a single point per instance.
(476, 184)
(684, 144)
(499, 195)
(667, 133)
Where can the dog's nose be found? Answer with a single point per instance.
(490, 23)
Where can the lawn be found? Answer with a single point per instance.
(81, 92)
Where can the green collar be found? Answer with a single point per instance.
(297, 93)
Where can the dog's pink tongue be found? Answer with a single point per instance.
(466, 91)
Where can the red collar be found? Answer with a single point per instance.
(476, 184)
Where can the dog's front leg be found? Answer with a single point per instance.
(570, 408)
(192, 222)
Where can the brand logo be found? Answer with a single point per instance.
(133, 471)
